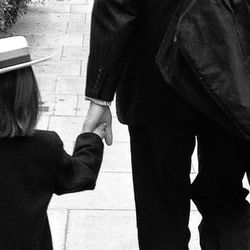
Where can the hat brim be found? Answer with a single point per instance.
(23, 65)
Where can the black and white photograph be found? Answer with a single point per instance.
(124, 124)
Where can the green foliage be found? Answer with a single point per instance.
(10, 10)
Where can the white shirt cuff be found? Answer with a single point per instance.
(98, 102)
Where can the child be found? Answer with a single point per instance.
(33, 163)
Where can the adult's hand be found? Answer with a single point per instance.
(100, 130)
(98, 114)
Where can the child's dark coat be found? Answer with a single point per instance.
(31, 170)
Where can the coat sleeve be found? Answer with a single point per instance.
(79, 171)
(112, 28)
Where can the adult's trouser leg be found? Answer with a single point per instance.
(217, 191)
(161, 159)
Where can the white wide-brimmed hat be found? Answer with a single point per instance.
(14, 54)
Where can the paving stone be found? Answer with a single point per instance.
(40, 52)
(67, 127)
(53, 17)
(192, 176)
(31, 25)
(78, 27)
(80, 8)
(90, 2)
(43, 122)
(193, 207)
(84, 68)
(195, 160)
(70, 85)
(104, 230)
(74, 39)
(58, 221)
(88, 18)
(46, 40)
(46, 84)
(120, 131)
(67, 1)
(68, 146)
(86, 40)
(113, 107)
(78, 1)
(246, 185)
(40, 40)
(75, 53)
(82, 106)
(48, 103)
(117, 158)
(65, 105)
(57, 1)
(194, 221)
(50, 7)
(113, 191)
(61, 68)
(245, 182)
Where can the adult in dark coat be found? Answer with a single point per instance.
(223, 69)
(125, 37)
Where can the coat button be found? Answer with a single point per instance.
(97, 83)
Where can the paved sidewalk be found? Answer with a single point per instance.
(103, 219)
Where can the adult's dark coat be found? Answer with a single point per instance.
(125, 37)
(212, 37)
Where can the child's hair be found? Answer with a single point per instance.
(19, 98)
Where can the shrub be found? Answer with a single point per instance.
(10, 10)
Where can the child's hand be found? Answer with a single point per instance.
(101, 130)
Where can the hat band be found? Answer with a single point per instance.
(15, 61)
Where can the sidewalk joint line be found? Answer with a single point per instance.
(47, 128)
(77, 105)
(61, 57)
(67, 26)
(66, 230)
(80, 75)
(54, 91)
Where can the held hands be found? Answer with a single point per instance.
(101, 130)
(99, 121)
